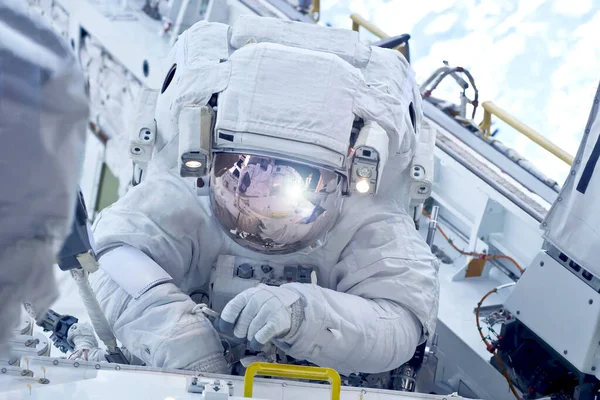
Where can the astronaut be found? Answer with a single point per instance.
(287, 120)
(43, 116)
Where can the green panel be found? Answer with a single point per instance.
(108, 192)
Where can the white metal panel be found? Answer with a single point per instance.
(85, 381)
(130, 42)
(560, 308)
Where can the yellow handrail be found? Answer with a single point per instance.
(315, 10)
(490, 108)
(358, 21)
(294, 372)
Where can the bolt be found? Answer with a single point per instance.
(4, 370)
(593, 368)
(541, 263)
(76, 364)
(194, 381)
(117, 367)
(229, 383)
(98, 366)
(44, 381)
(55, 362)
(559, 199)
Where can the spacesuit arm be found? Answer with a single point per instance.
(160, 218)
(43, 117)
(385, 304)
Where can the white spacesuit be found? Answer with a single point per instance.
(43, 116)
(289, 101)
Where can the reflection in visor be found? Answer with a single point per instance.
(272, 205)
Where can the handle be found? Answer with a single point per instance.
(293, 372)
(315, 10)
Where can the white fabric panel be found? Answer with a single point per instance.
(573, 223)
(290, 93)
(204, 42)
(341, 42)
(132, 270)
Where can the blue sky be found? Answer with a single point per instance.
(538, 59)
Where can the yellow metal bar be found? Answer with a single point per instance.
(315, 10)
(492, 109)
(358, 21)
(293, 372)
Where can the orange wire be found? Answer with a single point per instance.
(478, 309)
(487, 344)
(473, 254)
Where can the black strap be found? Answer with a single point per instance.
(588, 171)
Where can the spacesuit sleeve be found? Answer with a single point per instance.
(160, 217)
(43, 117)
(384, 305)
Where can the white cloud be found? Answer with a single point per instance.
(441, 24)
(575, 8)
(505, 38)
(397, 16)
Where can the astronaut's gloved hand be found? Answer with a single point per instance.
(81, 336)
(262, 314)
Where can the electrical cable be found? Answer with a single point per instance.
(474, 254)
(488, 345)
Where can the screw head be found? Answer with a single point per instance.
(565, 352)
(593, 368)
(518, 312)
(590, 301)
(541, 263)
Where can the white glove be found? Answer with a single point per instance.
(263, 313)
(82, 338)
